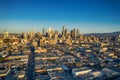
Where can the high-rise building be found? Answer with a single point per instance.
(43, 31)
(72, 34)
(66, 33)
(6, 34)
(50, 32)
(63, 31)
(77, 33)
(119, 38)
(24, 35)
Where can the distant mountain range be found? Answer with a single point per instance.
(104, 34)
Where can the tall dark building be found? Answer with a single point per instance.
(72, 34)
(63, 31)
(66, 32)
(75, 33)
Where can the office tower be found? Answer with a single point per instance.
(50, 32)
(43, 31)
(6, 34)
(72, 34)
(24, 36)
(77, 33)
(119, 38)
(66, 33)
(63, 31)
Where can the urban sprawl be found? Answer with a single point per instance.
(53, 55)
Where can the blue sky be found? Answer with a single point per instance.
(87, 15)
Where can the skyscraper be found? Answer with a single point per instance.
(50, 32)
(66, 32)
(43, 31)
(72, 34)
(63, 31)
(24, 35)
(77, 33)
(6, 34)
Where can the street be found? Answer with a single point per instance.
(31, 61)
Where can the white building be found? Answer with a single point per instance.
(5, 34)
(80, 71)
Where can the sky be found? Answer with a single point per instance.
(90, 16)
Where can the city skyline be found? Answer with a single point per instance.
(59, 39)
(99, 16)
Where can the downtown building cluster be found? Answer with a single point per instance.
(51, 55)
